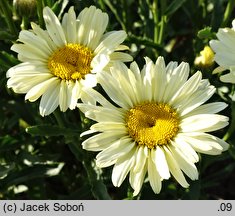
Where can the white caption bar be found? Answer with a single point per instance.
(117, 208)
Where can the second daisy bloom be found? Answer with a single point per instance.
(158, 124)
(60, 62)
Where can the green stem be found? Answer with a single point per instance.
(228, 11)
(40, 12)
(231, 128)
(116, 14)
(155, 20)
(59, 119)
(162, 22)
(8, 16)
(25, 22)
(162, 28)
(98, 188)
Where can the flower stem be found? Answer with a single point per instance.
(40, 13)
(98, 188)
(156, 20)
(8, 16)
(231, 128)
(162, 22)
(228, 11)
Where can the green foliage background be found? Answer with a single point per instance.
(41, 157)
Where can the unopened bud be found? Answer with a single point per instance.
(206, 58)
(25, 7)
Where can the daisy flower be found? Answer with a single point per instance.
(224, 49)
(157, 126)
(60, 62)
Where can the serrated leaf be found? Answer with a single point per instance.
(51, 130)
(206, 33)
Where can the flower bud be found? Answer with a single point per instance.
(206, 58)
(25, 7)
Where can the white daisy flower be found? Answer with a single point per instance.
(224, 49)
(158, 125)
(60, 62)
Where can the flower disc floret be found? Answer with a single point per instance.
(71, 62)
(151, 124)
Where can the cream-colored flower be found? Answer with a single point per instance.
(157, 126)
(206, 58)
(224, 49)
(60, 62)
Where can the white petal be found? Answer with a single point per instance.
(187, 166)
(50, 99)
(210, 108)
(30, 52)
(31, 40)
(39, 89)
(137, 178)
(109, 126)
(44, 35)
(203, 123)
(206, 143)
(159, 159)
(120, 56)
(160, 80)
(176, 76)
(21, 84)
(101, 114)
(92, 24)
(181, 143)
(196, 99)
(154, 177)
(101, 141)
(54, 27)
(174, 168)
(89, 81)
(76, 93)
(122, 168)
(99, 98)
(63, 96)
(109, 43)
(187, 89)
(141, 156)
(228, 78)
(69, 26)
(119, 148)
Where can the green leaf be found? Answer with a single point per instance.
(173, 7)
(206, 33)
(99, 190)
(8, 143)
(29, 173)
(4, 169)
(51, 130)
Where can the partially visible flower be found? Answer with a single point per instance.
(158, 125)
(63, 60)
(206, 58)
(224, 49)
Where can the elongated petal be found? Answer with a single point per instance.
(54, 27)
(122, 168)
(159, 159)
(174, 168)
(154, 177)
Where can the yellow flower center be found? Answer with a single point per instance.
(71, 62)
(152, 124)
